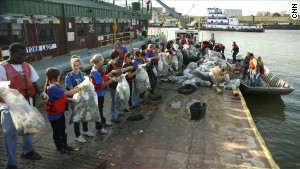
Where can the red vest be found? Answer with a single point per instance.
(19, 82)
(57, 107)
(98, 87)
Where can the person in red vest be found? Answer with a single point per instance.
(55, 108)
(23, 78)
(260, 71)
(235, 49)
(122, 50)
(100, 81)
(113, 65)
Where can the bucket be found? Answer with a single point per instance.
(198, 110)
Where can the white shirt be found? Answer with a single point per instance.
(18, 67)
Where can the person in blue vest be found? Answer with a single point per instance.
(74, 78)
(122, 50)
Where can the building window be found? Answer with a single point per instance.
(108, 28)
(4, 35)
(99, 29)
(17, 32)
(45, 32)
(81, 29)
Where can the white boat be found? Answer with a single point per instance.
(216, 20)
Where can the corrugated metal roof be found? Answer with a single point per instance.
(91, 4)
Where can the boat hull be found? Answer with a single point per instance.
(272, 85)
(232, 30)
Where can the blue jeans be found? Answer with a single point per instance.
(252, 77)
(135, 96)
(10, 139)
(257, 80)
(113, 112)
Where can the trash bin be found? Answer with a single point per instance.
(198, 110)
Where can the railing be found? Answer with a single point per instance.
(1, 55)
(155, 31)
(110, 39)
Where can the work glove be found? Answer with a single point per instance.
(44, 96)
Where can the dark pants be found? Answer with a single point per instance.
(246, 67)
(59, 128)
(234, 56)
(130, 87)
(100, 106)
(77, 128)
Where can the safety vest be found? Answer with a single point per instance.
(56, 107)
(253, 63)
(113, 85)
(98, 87)
(22, 83)
(121, 50)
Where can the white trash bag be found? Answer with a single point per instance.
(160, 63)
(142, 80)
(122, 94)
(86, 106)
(27, 119)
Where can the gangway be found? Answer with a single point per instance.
(174, 13)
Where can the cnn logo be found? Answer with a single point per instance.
(294, 13)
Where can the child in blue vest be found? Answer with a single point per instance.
(74, 78)
(55, 108)
(100, 81)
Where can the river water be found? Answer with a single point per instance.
(277, 119)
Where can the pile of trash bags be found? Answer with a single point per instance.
(27, 119)
(207, 70)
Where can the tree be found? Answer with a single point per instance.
(276, 14)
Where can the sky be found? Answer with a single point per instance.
(249, 7)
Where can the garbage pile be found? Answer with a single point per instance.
(204, 71)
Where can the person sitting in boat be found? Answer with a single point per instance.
(252, 69)
(246, 65)
(212, 41)
(235, 49)
(259, 71)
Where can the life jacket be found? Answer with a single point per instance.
(98, 87)
(235, 48)
(252, 66)
(262, 69)
(22, 83)
(115, 66)
(56, 107)
(73, 80)
(121, 50)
